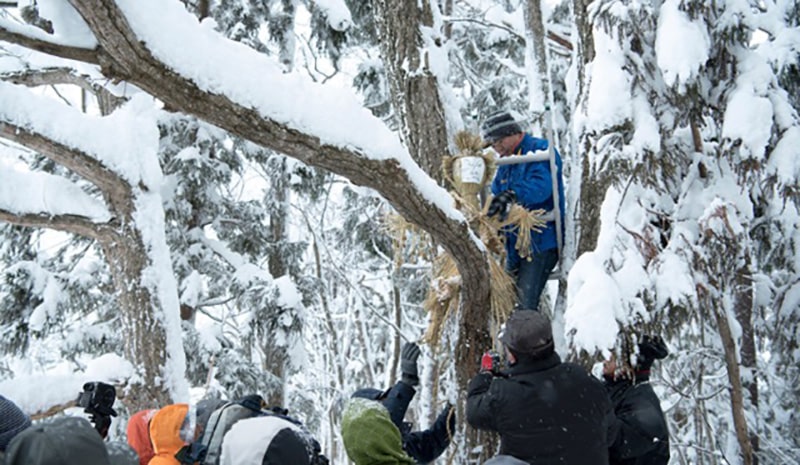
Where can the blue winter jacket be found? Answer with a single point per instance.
(533, 186)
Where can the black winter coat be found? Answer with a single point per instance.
(545, 411)
(642, 435)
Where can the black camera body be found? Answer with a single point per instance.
(97, 399)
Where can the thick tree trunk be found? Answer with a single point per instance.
(146, 338)
(415, 89)
(536, 57)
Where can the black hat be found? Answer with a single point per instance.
(651, 348)
(499, 125)
(528, 332)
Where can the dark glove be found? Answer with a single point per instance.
(501, 204)
(408, 364)
(651, 348)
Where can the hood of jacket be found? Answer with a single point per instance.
(370, 437)
(267, 439)
(165, 429)
(138, 434)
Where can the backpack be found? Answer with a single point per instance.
(208, 451)
(221, 422)
(270, 439)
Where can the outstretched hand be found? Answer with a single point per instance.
(408, 363)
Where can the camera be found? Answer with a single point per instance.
(97, 399)
(490, 362)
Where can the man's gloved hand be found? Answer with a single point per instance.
(501, 204)
(408, 363)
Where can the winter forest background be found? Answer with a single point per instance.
(194, 198)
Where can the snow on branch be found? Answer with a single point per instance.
(36, 39)
(109, 151)
(48, 200)
(50, 76)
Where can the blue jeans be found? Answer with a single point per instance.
(531, 277)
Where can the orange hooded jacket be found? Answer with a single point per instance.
(139, 435)
(165, 428)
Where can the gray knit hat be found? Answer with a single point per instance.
(12, 421)
(499, 125)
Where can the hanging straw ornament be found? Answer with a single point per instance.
(469, 170)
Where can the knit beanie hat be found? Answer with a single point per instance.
(370, 437)
(12, 421)
(499, 125)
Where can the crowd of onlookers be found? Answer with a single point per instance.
(545, 411)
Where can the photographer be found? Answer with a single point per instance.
(546, 411)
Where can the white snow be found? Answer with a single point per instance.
(34, 193)
(36, 392)
(682, 45)
(610, 86)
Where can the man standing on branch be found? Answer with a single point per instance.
(531, 186)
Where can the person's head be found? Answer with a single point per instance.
(502, 132)
(138, 434)
(266, 439)
(370, 436)
(528, 335)
(59, 441)
(12, 422)
(165, 431)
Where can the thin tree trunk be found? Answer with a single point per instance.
(736, 390)
(743, 308)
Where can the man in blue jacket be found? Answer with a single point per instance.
(530, 185)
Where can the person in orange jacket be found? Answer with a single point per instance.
(165, 434)
(138, 433)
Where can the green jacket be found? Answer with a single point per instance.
(370, 437)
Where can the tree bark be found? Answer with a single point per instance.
(414, 88)
(743, 309)
(736, 390)
(536, 53)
